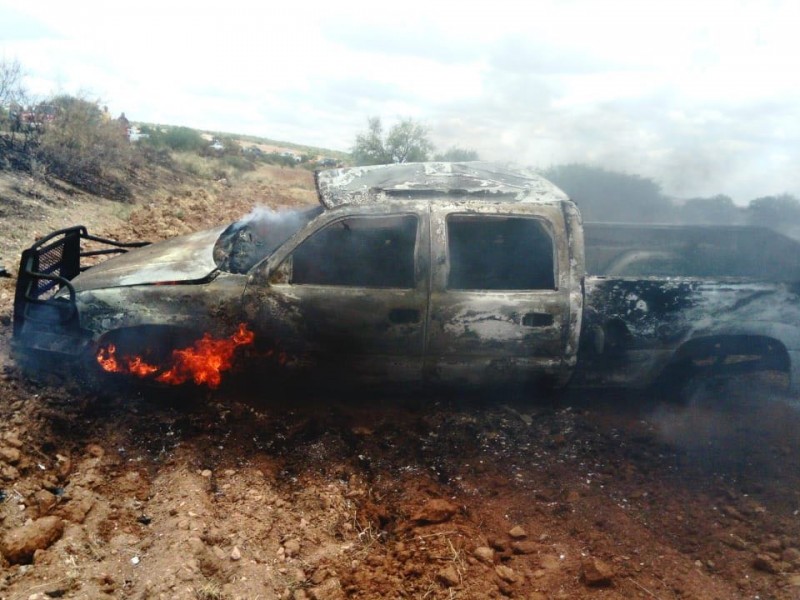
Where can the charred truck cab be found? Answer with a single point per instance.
(432, 271)
(451, 272)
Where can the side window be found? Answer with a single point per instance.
(499, 253)
(358, 252)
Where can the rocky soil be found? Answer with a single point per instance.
(258, 492)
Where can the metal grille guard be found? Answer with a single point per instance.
(48, 266)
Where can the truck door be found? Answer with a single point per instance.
(352, 294)
(503, 303)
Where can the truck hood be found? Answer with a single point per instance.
(182, 259)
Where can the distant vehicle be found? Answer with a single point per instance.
(327, 162)
(458, 272)
(291, 155)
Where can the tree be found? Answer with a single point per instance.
(12, 97)
(183, 139)
(369, 148)
(456, 154)
(610, 196)
(780, 212)
(716, 210)
(11, 90)
(82, 146)
(407, 141)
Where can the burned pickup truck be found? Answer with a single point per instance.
(433, 272)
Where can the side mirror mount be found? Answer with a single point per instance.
(283, 273)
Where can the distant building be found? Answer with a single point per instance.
(134, 134)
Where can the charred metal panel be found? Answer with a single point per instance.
(213, 307)
(632, 327)
(361, 185)
(186, 258)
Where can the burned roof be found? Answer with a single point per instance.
(361, 185)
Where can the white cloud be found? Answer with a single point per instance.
(700, 95)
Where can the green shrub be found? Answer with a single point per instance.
(182, 139)
(240, 163)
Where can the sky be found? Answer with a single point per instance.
(701, 96)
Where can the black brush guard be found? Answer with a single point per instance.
(47, 268)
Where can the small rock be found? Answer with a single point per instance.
(448, 577)
(64, 466)
(185, 574)
(10, 455)
(330, 589)
(498, 544)
(596, 573)
(95, 451)
(733, 512)
(735, 542)
(12, 439)
(773, 545)
(505, 573)
(484, 554)
(19, 544)
(291, 547)
(44, 502)
(794, 580)
(76, 510)
(236, 553)
(205, 473)
(437, 510)
(9, 473)
(791, 555)
(762, 562)
(518, 533)
(524, 547)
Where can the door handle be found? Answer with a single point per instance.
(534, 319)
(402, 316)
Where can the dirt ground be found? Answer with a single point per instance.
(257, 492)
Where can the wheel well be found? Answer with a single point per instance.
(726, 356)
(726, 351)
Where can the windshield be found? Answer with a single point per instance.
(248, 241)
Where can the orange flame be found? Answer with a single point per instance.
(203, 362)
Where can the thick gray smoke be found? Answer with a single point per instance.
(253, 238)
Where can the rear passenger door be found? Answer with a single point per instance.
(499, 308)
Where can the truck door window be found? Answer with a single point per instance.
(499, 253)
(373, 252)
